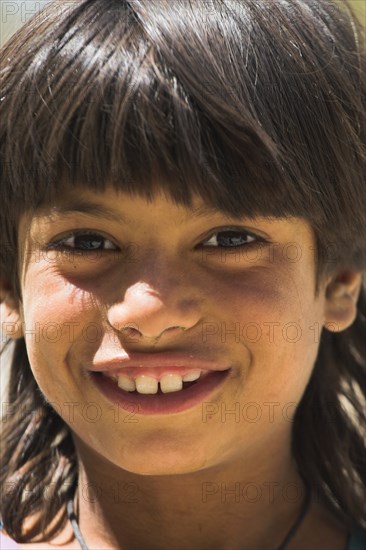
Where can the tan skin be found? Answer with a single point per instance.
(170, 460)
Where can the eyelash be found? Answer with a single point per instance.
(59, 244)
(237, 231)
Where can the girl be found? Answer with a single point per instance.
(182, 276)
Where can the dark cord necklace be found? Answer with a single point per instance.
(75, 525)
(298, 520)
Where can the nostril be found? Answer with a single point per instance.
(131, 330)
(165, 330)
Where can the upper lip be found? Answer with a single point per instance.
(167, 359)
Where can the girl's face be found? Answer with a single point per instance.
(95, 263)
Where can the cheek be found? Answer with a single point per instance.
(51, 305)
(55, 315)
(265, 302)
(275, 323)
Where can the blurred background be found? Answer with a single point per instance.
(360, 7)
(16, 12)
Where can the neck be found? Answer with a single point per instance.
(236, 504)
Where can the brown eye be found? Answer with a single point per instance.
(84, 241)
(231, 239)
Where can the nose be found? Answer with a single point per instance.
(143, 312)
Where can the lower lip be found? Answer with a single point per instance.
(160, 403)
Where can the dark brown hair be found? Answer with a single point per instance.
(257, 107)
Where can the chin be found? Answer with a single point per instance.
(158, 466)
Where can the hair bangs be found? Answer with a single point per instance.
(106, 107)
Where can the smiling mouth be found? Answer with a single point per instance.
(185, 386)
(157, 382)
(192, 393)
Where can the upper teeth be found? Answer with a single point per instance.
(147, 384)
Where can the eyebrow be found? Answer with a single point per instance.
(97, 210)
